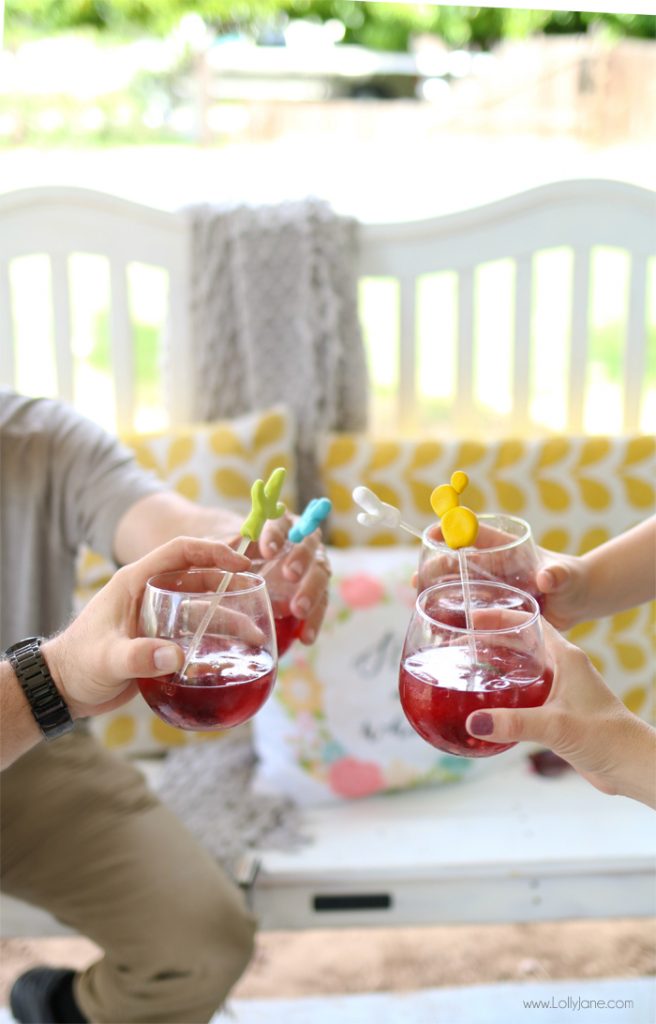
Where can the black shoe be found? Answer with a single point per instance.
(44, 995)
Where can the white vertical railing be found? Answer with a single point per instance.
(634, 352)
(122, 346)
(522, 342)
(578, 339)
(407, 396)
(464, 397)
(61, 311)
(7, 359)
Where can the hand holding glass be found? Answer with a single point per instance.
(234, 667)
(281, 592)
(448, 671)
(504, 553)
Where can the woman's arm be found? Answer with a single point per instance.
(585, 723)
(616, 575)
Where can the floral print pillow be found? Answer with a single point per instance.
(334, 728)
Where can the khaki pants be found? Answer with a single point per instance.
(85, 839)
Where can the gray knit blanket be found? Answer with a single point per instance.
(274, 318)
(209, 787)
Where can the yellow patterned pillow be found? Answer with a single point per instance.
(216, 463)
(576, 492)
(213, 464)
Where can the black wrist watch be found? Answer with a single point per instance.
(46, 703)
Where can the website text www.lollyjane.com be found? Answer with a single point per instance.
(576, 1003)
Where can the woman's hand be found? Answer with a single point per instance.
(585, 723)
(95, 660)
(563, 582)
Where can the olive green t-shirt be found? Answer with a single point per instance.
(64, 481)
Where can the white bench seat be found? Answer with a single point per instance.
(510, 846)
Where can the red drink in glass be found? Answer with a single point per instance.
(440, 687)
(226, 684)
(450, 669)
(281, 593)
(288, 629)
(230, 636)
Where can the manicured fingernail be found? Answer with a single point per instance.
(481, 724)
(549, 578)
(274, 546)
(309, 636)
(166, 659)
(296, 570)
(303, 606)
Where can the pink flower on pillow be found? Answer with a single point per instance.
(361, 590)
(352, 778)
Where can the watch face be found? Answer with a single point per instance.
(46, 703)
(27, 642)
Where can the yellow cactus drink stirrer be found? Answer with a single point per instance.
(459, 529)
(265, 504)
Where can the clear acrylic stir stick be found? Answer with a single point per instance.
(264, 505)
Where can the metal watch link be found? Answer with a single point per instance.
(46, 703)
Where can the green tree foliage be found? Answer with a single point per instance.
(381, 26)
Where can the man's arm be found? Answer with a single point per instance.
(158, 518)
(18, 729)
(93, 663)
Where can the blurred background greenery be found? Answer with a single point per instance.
(381, 26)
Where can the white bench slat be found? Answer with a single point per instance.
(579, 339)
(7, 360)
(465, 370)
(522, 347)
(636, 343)
(407, 348)
(60, 283)
(122, 347)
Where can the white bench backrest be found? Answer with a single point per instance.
(62, 221)
(576, 214)
(580, 215)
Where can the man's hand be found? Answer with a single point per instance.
(94, 661)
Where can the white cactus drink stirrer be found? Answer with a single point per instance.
(264, 505)
(376, 512)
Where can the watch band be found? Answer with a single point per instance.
(46, 703)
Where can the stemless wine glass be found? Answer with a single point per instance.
(233, 668)
(281, 591)
(504, 552)
(448, 671)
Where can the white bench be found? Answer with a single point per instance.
(578, 215)
(511, 846)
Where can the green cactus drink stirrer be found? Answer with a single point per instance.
(265, 504)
